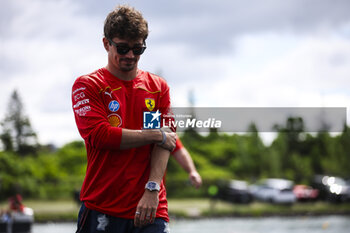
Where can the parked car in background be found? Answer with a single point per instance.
(279, 191)
(235, 191)
(331, 188)
(305, 193)
(348, 190)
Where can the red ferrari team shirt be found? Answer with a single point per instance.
(103, 105)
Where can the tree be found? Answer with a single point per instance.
(17, 134)
(294, 132)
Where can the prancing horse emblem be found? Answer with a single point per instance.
(150, 103)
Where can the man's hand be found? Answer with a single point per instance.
(146, 208)
(195, 179)
(170, 141)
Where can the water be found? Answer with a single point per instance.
(326, 224)
(330, 224)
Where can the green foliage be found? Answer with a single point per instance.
(46, 175)
(293, 154)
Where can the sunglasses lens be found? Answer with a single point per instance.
(138, 50)
(123, 50)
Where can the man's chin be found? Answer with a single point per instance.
(127, 68)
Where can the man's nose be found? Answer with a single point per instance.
(130, 54)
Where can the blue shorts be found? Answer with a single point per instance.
(91, 221)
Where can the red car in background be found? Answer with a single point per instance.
(305, 193)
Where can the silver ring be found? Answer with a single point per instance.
(137, 213)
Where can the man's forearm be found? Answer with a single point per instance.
(135, 138)
(147, 207)
(184, 159)
(159, 161)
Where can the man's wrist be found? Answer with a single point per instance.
(153, 135)
(163, 137)
(152, 186)
(193, 172)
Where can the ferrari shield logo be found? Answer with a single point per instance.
(150, 103)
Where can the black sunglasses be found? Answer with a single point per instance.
(123, 49)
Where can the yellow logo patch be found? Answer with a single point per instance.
(150, 103)
(115, 120)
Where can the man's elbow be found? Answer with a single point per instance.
(106, 138)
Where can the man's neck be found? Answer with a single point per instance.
(123, 75)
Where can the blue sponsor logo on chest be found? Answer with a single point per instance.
(113, 106)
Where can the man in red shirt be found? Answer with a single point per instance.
(117, 111)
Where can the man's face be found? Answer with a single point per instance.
(124, 61)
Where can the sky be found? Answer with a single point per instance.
(252, 53)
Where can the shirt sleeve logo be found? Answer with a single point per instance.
(151, 120)
(150, 103)
(115, 120)
(113, 106)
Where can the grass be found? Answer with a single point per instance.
(67, 210)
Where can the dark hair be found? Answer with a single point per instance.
(126, 23)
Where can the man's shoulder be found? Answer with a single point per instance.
(95, 76)
(154, 77)
(153, 81)
(94, 79)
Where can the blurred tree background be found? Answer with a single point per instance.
(17, 134)
(38, 171)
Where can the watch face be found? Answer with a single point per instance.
(152, 185)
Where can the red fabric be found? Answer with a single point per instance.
(103, 105)
(178, 145)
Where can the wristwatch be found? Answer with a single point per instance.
(152, 186)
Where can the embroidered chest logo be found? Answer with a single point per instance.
(109, 94)
(150, 103)
(113, 106)
(102, 222)
(115, 120)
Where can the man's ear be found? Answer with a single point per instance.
(105, 43)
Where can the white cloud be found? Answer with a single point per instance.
(52, 48)
(305, 74)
